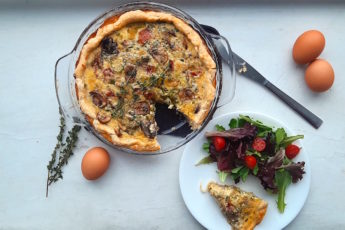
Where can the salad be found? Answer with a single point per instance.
(251, 147)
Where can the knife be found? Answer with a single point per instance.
(246, 70)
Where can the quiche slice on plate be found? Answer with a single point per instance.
(136, 60)
(243, 210)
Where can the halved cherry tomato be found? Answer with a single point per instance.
(219, 143)
(259, 144)
(250, 162)
(291, 151)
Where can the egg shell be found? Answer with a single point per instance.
(95, 163)
(308, 46)
(319, 75)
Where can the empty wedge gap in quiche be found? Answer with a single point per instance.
(139, 59)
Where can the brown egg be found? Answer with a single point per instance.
(319, 75)
(95, 163)
(308, 46)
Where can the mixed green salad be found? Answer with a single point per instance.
(251, 147)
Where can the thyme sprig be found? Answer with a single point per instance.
(62, 148)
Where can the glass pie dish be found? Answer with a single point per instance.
(174, 130)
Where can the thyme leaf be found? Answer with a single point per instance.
(64, 150)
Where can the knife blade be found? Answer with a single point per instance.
(246, 70)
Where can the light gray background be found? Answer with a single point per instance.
(140, 192)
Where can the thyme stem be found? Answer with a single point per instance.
(64, 150)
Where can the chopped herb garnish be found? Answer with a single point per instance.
(117, 111)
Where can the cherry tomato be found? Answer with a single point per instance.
(259, 144)
(219, 143)
(291, 151)
(250, 162)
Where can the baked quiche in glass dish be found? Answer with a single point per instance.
(133, 59)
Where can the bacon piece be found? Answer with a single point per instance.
(171, 65)
(110, 94)
(194, 73)
(144, 36)
(149, 95)
(142, 108)
(150, 69)
(108, 72)
(97, 63)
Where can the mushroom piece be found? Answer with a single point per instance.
(149, 128)
(103, 117)
(109, 46)
(159, 54)
(130, 72)
(197, 109)
(141, 108)
(98, 99)
(186, 94)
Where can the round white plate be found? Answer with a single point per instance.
(205, 209)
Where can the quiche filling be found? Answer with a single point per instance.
(136, 66)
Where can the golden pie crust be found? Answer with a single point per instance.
(243, 210)
(135, 60)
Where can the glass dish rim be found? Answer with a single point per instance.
(118, 10)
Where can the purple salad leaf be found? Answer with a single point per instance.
(267, 170)
(296, 170)
(237, 133)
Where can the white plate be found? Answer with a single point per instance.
(204, 208)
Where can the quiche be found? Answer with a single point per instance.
(243, 210)
(136, 60)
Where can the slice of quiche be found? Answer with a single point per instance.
(243, 210)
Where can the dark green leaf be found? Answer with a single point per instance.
(286, 161)
(235, 176)
(205, 160)
(263, 133)
(258, 124)
(222, 176)
(289, 140)
(280, 135)
(244, 173)
(206, 146)
(233, 123)
(256, 169)
(220, 128)
(236, 170)
(241, 122)
(248, 152)
(282, 179)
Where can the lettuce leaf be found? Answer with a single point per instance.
(282, 180)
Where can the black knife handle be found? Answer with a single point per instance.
(314, 120)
